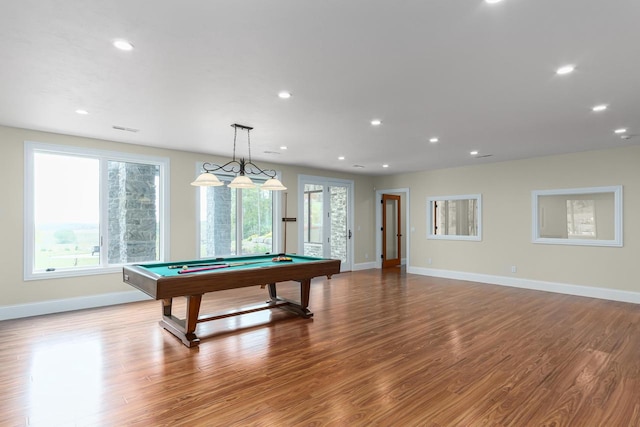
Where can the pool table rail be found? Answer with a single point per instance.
(159, 287)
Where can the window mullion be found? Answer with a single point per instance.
(104, 212)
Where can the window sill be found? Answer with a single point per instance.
(64, 273)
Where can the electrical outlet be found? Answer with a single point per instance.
(366, 256)
(429, 261)
(514, 269)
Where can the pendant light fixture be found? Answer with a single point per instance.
(241, 168)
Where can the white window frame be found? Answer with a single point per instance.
(31, 147)
(617, 216)
(430, 219)
(275, 226)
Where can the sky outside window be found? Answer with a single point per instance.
(66, 189)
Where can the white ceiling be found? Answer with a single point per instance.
(478, 76)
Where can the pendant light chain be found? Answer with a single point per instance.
(249, 143)
(235, 136)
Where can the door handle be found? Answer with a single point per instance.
(349, 234)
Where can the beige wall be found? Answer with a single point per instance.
(14, 290)
(506, 230)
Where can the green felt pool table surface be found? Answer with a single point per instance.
(167, 269)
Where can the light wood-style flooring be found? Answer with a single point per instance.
(384, 348)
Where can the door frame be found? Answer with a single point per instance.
(404, 192)
(327, 181)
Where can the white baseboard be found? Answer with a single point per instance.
(60, 305)
(560, 288)
(364, 266)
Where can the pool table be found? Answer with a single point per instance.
(192, 279)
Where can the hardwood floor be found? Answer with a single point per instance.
(384, 348)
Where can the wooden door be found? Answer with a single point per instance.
(391, 231)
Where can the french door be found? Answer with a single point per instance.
(325, 206)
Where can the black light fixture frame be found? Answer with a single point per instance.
(240, 166)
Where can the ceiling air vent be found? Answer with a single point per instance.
(125, 129)
(358, 166)
(483, 156)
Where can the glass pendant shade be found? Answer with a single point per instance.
(241, 181)
(207, 180)
(273, 185)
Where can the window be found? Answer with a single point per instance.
(455, 217)
(236, 222)
(90, 211)
(579, 216)
(313, 205)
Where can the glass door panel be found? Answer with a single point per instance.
(313, 220)
(391, 229)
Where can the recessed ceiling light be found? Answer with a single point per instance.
(433, 140)
(284, 147)
(492, 1)
(474, 153)
(341, 158)
(621, 130)
(83, 112)
(376, 122)
(566, 69)
(123, 45)
(600, 107)
(385, 166)
(284, 95)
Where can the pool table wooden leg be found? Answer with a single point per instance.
(273, 294)
(167, 304)
(305, 289)
(183, 329)
(301, 308)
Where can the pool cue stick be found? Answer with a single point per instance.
(234, 264)
(195, 270)
(285, 223)
(171, 267)
(223, 265)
